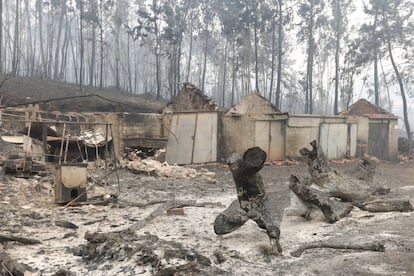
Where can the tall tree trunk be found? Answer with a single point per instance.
(101, 46)
(129, 65)
(337, 52)
(279, 55)
(223, 94)
(402, 91)
(117, 59)
(256, 66)
(190, 50)
(64, 50)
(203, 79)
(81, 53)
(29, 49)
(1, 36)
(60, 26)
(178, 75)
(233, 70)
(93, 56)
(272, 72)
(376, 82)
(309, 71)
(16, 39)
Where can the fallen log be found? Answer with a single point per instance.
(375, 246)
(333, 210)
(253, 201)
(392, 205)
(9, 238)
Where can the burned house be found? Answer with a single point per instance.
(377, 129)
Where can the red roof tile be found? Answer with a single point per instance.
(365, 108)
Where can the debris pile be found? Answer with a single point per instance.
(136, 254)
(155, 168)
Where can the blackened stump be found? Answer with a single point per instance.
(253, 201)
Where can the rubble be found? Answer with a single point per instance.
(153, 167)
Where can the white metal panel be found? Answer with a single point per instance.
(277, 141)
(334, 140)
(353, 137)
(180, 139)
(262, 136)
(205, 144)
(270, 137)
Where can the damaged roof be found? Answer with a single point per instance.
(365, 108)
(253, 104)
(190, 98)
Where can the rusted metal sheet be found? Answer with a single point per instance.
(270, 136)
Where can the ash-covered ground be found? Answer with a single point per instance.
(139, 235)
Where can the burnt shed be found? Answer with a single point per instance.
(377, 129)
(190, 98)
(254, 121)
(192, 121)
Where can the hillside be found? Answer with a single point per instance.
(17, 90)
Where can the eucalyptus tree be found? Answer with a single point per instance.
(313, 18)
(15, 60)
(148, 31)
(340, 10)
(397, 30)
(232, 30)
(176, 14)
(373, 43)
(39, 10)
(61, 7)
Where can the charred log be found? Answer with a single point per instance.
(333, 210)
(356, 187)
(376, 246)
(394, 205)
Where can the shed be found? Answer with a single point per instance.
(192, 122)
(254, 121)
(337, 135)
(377, 129)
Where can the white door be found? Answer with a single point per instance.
(270, 137)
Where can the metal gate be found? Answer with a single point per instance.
(270, 136)
(378, 139)
(338, 140)
(192, 138)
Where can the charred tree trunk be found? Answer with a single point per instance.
(332, 210)
(355, 188)
(253, 201)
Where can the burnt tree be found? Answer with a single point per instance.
(335, 194)
(253, 202)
